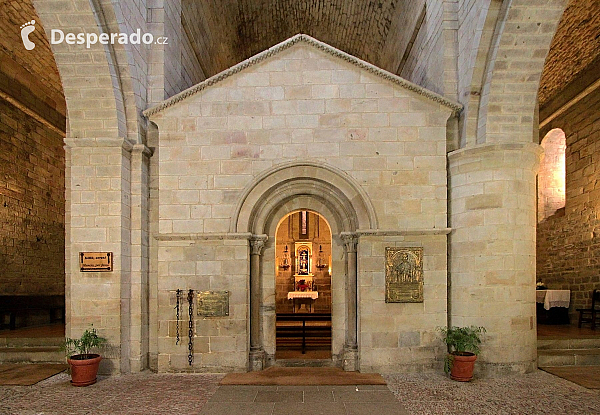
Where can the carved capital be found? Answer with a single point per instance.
(257, 245)
(350, 241)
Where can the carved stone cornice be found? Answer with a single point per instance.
(455, 107)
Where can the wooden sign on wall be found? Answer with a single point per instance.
(95, 261)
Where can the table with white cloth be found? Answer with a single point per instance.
(304, 298)
(553, 306)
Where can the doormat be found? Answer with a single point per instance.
(301, 376)
(586, 376)
(27, 374)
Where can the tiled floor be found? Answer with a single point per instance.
(199, 394)
(303, 400)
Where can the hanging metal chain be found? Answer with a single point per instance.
(177, 308)
(191, 327)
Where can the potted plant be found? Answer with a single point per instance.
(463, 347)
(84, 364)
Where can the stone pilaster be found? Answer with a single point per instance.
(257, 353)
(99, 220)
(139, 344)
(350, 358)
(492, 250)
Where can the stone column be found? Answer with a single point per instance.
(139, 289)
(350, 359)
(257, 354)
(492, 250)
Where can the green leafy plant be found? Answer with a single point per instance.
(460, 341)
(79, 349)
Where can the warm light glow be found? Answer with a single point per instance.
(551, 178)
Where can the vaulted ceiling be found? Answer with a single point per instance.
(225, 32)
(27, 72)
(575, 47)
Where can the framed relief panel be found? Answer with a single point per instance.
(403, 274)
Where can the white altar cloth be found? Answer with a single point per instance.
(553, 298)
(313, 295)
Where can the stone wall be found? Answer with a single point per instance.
(568, 246)
(401, 337)
(302, 104)
(424, 64)
(32, 205)
(32, 160)
(220, 343)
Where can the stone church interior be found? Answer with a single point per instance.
(310, 183)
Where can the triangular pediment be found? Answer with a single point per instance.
(312, 42)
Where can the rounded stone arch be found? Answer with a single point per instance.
(522, 39)
(304, 202)
(287, 183)
(552, 174)
(95, 86)
(481, 39)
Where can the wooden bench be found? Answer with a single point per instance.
(294, 326)
(13, 305)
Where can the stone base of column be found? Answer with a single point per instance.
(350, 359)
(257, 360)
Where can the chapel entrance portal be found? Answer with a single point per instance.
(303, 286)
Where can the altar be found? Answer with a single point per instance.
(303, 300)
(553, 306)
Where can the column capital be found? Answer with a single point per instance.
(350, 241)
(142, 149)
(257, 244)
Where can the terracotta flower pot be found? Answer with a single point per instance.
(462, 366)
(84, 368)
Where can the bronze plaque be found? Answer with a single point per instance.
(213, 303)
(403, 275)
(95, 261)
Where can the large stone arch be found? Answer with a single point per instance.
(90, 82)
(477, 56)
(104, 89)
(515, 64)
(315, 187)
(307, 177)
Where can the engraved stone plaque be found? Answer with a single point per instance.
(403, 275)
(213, 303)
(95, 261)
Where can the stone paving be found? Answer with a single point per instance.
(200, 394)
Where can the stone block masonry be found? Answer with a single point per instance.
(214, 264)
(32, 224)
(303, 103)
(568, 242)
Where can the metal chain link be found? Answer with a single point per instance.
(191, 327)
(177, 308)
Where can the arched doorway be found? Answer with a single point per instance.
(303, 186)
(303, 287)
